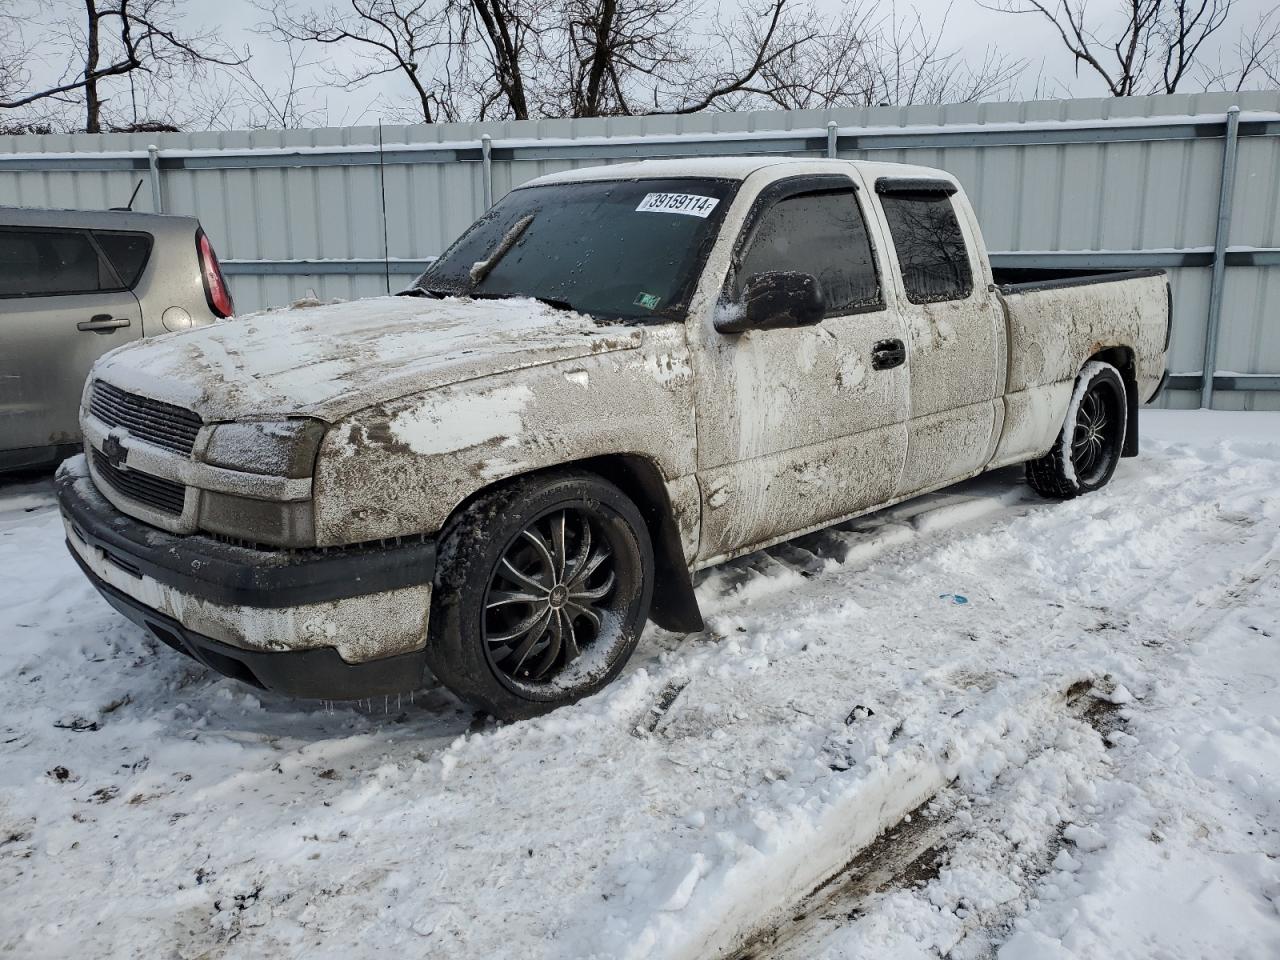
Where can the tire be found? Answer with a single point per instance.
(530, 573)
(1088, 449)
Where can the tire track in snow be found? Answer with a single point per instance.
(934, 835)
(1187, 524)
(1201, 617)
(946, 833)
(441, 850)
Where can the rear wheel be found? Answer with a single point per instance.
(1089, 447)
(543, 589)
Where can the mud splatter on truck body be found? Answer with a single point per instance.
(929, 373)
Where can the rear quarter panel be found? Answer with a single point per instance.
(1054, 330)
(172, 280)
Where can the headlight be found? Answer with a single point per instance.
(285, 448)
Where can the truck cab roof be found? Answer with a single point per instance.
(734, 168)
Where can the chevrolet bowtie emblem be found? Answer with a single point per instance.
(115, 451)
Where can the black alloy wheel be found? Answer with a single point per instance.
(542, 590)
(1089, 447)
(1095, 444)
(552, 594)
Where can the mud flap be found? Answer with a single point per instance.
(674, 606)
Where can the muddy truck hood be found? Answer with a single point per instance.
(328, 361)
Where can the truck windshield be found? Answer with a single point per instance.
(615, 249)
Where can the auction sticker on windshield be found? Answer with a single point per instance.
(686, 203)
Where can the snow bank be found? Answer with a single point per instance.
(148, 808)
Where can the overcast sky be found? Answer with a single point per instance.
(970, 28)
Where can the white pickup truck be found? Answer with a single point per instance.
(617, 375)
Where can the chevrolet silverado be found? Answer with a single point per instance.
(616, 376)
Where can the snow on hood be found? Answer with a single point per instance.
(328, 361)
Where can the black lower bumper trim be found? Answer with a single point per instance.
(319, 674)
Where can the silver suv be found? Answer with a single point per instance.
(75, 284)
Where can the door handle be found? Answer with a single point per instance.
(887, 354)
(103, 322)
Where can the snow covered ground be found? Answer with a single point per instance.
(1075, 704)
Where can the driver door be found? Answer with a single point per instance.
(801, 426)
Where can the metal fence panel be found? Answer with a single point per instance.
(353, 212)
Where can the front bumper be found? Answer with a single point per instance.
(333, 624)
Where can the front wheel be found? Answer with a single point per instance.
(1089, 447)
(543, 589)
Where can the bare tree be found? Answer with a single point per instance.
(867, 57)
(666, 56)
(578, 58)
(910, 65)
(621, 57)
(13, 53)
(1259, 54)
(16, 58)
(130, 41)
(516, 59)
(592, 58)
(420, 40)
(611, 54)
(737, 53)
(1155, 46)
(284, 105)
(1254, 58)
(828, 69)
(510, 30)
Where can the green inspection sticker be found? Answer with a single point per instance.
(647, 300)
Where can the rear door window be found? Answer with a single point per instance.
(128, 253)
(822, 234)
(43, 263)
(930, 246)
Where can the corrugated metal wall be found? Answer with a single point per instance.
(1076, 182)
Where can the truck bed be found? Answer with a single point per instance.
(1022, 279)
(1056, 317)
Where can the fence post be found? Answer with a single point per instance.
(832, 129)
(486, 156)
(1225, 188)
(153, 165)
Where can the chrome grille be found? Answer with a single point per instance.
(154, 421)
(155, 492)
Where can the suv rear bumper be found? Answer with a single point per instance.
(336, 624)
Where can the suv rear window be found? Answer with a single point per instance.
(128, 253)
(931, 250)
(43, 263)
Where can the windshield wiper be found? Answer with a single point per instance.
(422, 292)
(549, 301)
(480, 269)
(555, 304)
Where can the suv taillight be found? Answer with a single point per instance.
(215, 284)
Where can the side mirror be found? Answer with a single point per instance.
(774, 300)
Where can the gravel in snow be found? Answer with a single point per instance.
(1076, 703)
